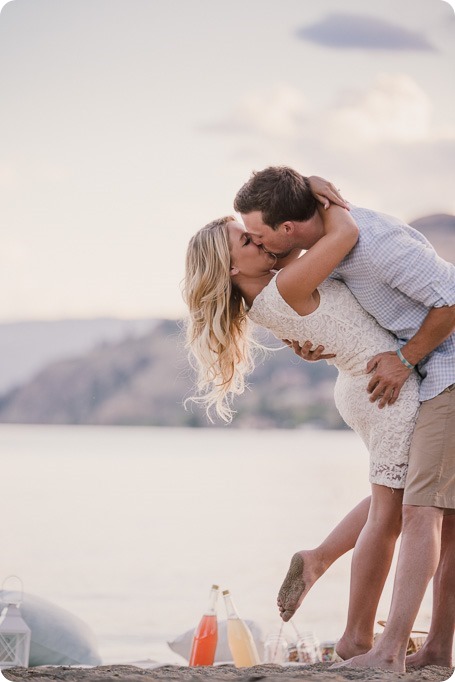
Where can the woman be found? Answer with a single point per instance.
(230, 281)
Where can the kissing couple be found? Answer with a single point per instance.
(371, 296)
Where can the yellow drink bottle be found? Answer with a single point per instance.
(241, 642)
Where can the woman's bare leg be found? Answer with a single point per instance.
(371, 562)
(308, 565)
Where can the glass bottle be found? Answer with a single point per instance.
(241, 642)
(206, 634)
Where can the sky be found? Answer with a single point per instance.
(127, 126)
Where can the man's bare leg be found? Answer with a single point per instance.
(437, 649)
(308, 565)
(371, 562)
(417, 563)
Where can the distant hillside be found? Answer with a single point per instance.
(144, 381)
(439, 229)
(27, 347)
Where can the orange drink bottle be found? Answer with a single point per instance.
(241, 642)
(206, 634)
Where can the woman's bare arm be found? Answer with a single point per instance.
(298, 280)
(326, 194)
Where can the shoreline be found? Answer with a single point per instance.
(318, 672)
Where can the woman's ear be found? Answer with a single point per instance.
(234, 271)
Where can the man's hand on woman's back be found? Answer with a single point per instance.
(303, 350)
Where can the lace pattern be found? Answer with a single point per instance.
(343, 327)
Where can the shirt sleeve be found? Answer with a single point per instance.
(414, 268)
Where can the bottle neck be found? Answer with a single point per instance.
(211, 610)
(230, 608)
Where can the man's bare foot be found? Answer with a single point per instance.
(372, 660)
(306, 567)
(427, 656)
(348, 647)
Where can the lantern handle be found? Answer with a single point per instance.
(22, 586)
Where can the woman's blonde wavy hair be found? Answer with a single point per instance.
(218, 331)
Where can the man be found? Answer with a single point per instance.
(398, 278)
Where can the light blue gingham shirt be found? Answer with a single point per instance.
(396, 275)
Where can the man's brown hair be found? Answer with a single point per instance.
(280, 193)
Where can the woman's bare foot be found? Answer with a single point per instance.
(371, 660)
(428, 656)
(348, 647)
(306, 567)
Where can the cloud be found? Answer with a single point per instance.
(362, 31)
(278, 112)
(394, 108)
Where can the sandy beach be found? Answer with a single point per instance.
(319, 672)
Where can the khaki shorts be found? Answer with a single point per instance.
(430, 481)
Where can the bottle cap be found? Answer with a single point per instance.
(225, 592)
(215, 587)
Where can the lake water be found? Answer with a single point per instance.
(129, 527)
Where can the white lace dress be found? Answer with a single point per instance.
(343, 327)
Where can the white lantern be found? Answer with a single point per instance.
(14, 638)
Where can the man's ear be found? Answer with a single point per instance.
(234, 271)
(287, 227)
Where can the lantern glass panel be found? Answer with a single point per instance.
(15, 638)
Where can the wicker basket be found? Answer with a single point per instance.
(416, 640)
